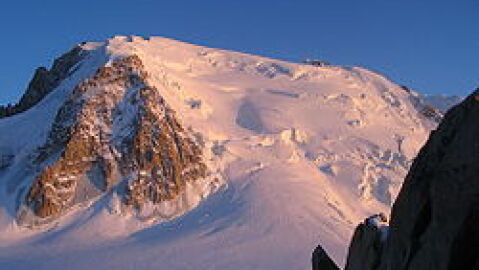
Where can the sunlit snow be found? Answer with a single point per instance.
(307, 153)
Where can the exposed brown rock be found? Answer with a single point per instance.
(163, 158)
(114, 129)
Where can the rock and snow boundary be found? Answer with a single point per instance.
(305, 153)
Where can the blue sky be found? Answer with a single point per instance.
(430, 46)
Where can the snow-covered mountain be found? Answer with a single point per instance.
(157, 154)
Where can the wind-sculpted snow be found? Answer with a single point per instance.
(306, 152)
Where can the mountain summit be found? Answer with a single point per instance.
(153, 153)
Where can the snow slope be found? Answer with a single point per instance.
(307, 152)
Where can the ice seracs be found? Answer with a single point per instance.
(434, 219)
(217, 154)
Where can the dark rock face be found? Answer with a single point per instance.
(44, 81)
(367, 245)
(435, 219)
(115, 131)
(439, 202)
(321, 260)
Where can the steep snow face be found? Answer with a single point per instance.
(306, 152)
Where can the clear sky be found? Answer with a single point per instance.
(429, 45)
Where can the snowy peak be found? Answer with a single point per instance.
(114, 132)
(270, 155)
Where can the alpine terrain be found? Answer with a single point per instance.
(435, 216)
(137, 153)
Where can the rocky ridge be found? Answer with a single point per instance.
(114, 132)
(45, 81)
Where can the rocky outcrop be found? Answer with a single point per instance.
(44, 81)
(435, 219)
(321, 260)
(439, 200)
(114, 132)
(367, 245)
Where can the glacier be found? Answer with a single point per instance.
(306, 152)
